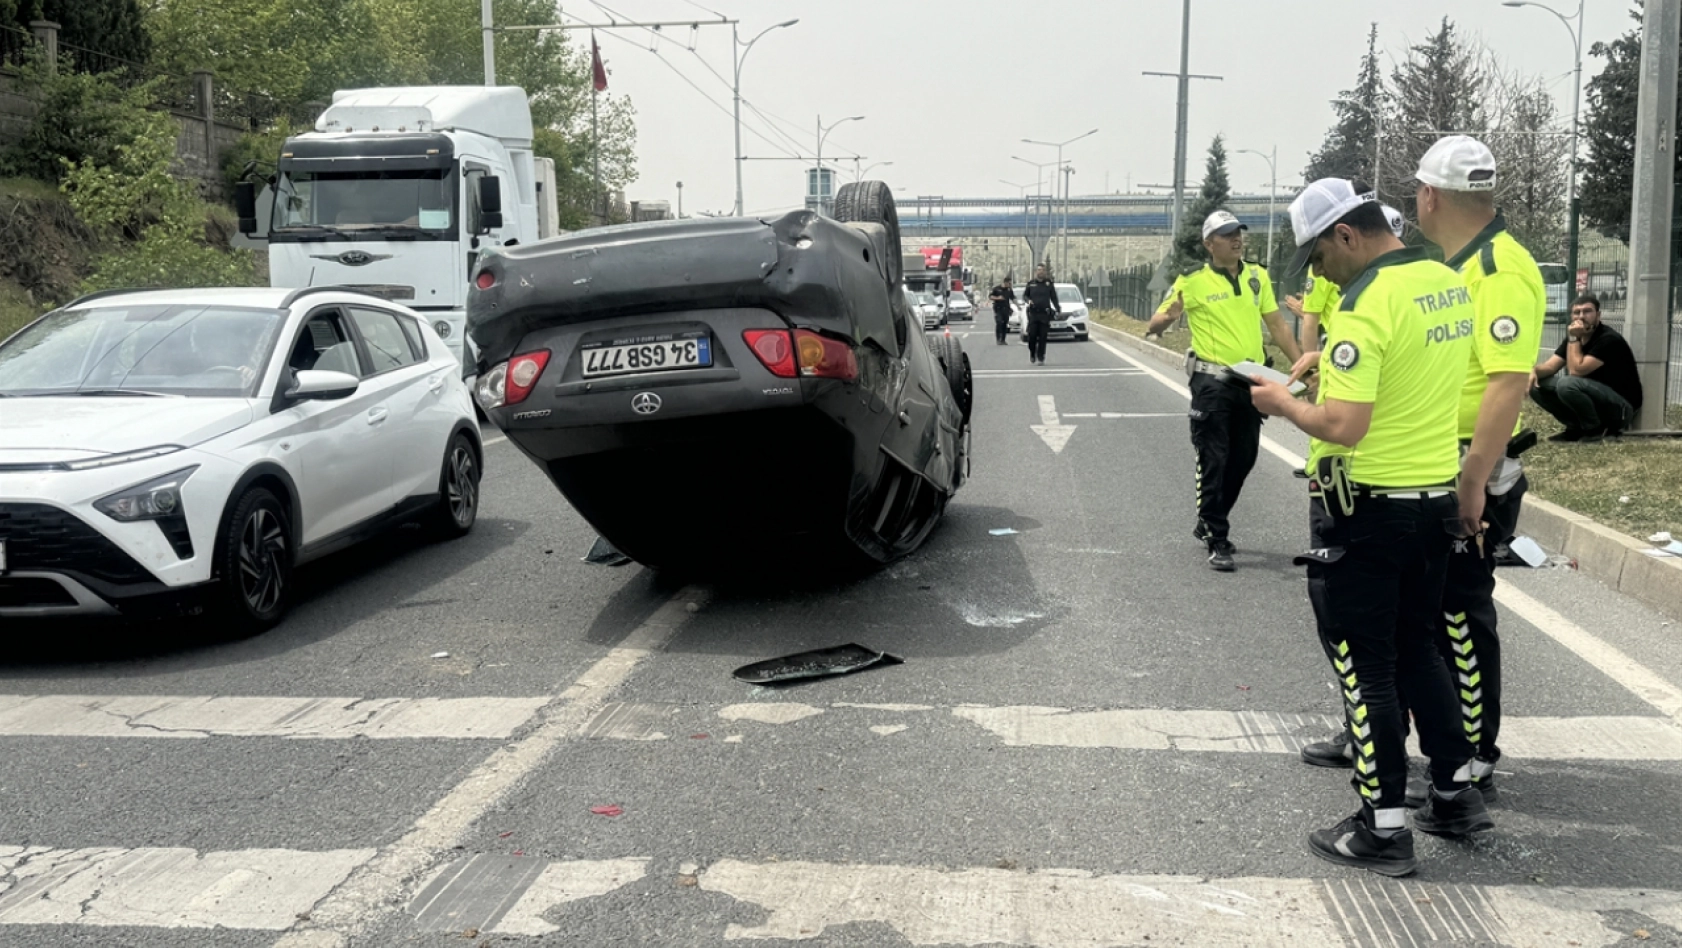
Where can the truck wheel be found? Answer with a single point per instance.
(870, 202)
(955, 364)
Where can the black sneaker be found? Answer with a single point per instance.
(1220, 556)
(1352, 843)
(1335, 752)
(1463, 815)
(1486, 788)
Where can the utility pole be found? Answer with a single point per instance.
(1272, 159)
(680, 200)
(488, 31)
(1184, 76)
(1576, 102)
(1651, 207)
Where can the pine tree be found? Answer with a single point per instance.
(1188, 244)
(1439, 89)
(1351, 143)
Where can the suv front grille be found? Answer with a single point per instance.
(47, 539)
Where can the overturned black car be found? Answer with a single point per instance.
(706, 390)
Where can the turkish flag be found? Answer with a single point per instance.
(598, 72)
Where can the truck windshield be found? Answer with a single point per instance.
(420, 201)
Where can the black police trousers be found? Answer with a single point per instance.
(1375, 578)
(1469, 641)
(1001, 325)
(1225, 433)
(1038, 332)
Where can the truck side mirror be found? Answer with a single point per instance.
(245, 204)
(490, 203)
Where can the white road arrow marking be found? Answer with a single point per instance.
(1051, 429)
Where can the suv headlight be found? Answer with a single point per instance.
(157, 499)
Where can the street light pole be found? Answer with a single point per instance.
(1059, 146)
(741, 50)
(1272, 189)
(859, 175)
(488, 33)
(822, 134)
(1039, 191)
(1576, 101)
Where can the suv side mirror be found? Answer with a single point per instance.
(490, 203)
(245, 204)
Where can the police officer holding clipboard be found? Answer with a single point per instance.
(1384, 461)
(1225, 303)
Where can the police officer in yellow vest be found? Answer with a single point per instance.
(1456, 197)
(1225, 302)
(1320, 295)
(1385, 458)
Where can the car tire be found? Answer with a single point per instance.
(458, 490)
(955, 364)
(870, 202)
(254, 565)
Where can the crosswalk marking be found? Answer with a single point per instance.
(265, 889)
(1624, 738)
(188, 717)
(1630, 738)
(270, 889)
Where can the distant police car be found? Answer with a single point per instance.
(173, 442)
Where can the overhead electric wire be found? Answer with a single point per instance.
(795, 153)
(703, 93)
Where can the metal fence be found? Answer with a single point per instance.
(15, 45)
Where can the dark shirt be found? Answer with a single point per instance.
(1041, 298)
(1617, 371)
(1001, 297)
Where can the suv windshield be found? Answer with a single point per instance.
(1554, 272)
(195, 350)
(420, 201)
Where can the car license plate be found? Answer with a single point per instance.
(654, 355)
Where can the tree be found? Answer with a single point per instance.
(1441, 88)
(113, 28)
(295, 52)
(1351, 144)
(1211, 197)
(1533, 155)
(1608, 173)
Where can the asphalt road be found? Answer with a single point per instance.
(1092, 740)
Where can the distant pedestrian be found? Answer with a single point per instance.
(1225, 303)
(1590, 383)
(1003, 297)
(1041, 299)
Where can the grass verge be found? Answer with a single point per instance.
(1590, 479)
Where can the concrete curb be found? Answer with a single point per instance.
(1608, 555)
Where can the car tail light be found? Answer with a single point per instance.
(825, 358)
(523, 373)
(775, 349)
(486, 280)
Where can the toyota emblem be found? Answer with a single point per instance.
(646, 403)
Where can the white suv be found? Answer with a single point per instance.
(160, 446)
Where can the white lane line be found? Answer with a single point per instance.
(175, 716)
(369, 894)
(1048, 410)
(263, 889)
(1628, 672)
(1638, 679)
(496, 440)
(565, 882)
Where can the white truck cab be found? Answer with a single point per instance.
(398, 189)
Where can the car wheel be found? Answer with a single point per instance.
(255, 564)
(870, 202)
(458, 490)
(955, 364)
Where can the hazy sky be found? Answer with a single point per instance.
(950, 89)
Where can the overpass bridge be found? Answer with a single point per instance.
(1133, 215)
